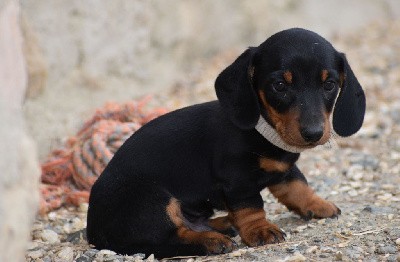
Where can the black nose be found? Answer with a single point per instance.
(312, 134)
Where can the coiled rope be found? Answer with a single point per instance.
(69, 172)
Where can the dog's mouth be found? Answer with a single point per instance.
(300, 143)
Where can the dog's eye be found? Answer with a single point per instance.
(329, 85)
(279, 86)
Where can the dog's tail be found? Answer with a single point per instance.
(165, 251)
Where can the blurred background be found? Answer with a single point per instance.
(83, 53)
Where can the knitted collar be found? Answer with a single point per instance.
(267, 131)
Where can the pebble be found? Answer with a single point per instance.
(300, 228)
(35, 254)
(150, 258)
(311, 249)
(389, 249)
(339, 256)
(236, 253)
(49, 236)
(66, 254)
(91, 253)
(297, 257)
(84, 258)
(398, 241)
(83, 207)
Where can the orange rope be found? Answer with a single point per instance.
(69, 172)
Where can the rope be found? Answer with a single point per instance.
(69, 172)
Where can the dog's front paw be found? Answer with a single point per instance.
(217, 243)
(320, 208)
(262, 235)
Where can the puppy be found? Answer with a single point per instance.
(160, 189)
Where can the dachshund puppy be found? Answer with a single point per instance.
(162, 186)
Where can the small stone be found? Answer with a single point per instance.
(150, 258)
(236, 253)
(35, 254)
(66, 254)
(49, 236)
(385, 197)
(339, 256)
(321, 221)
(84, 258)
(392, 258)
(105, 252)
(390, 216)
(311, 249)
(83, 207)
(386, 250)
(300, 228)
(297, 257)
(243, 251)
(47, 259)
(398, 241)
(91, 253)
(358, 249)
(52, 216)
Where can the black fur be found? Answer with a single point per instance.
(207, 155)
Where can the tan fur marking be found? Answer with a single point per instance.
(286, 124)
(274, 116)
(272, 165)
(214, 242)
(174, 212)
(288, 77)
(220, 223)
(295, 195)
(300, 198)
(324, 75)
(327, 129)
(342, 77)
(251, 73)
(254, 228)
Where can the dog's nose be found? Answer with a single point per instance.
(312, 134)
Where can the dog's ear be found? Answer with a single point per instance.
(235, 91)
(349, 111)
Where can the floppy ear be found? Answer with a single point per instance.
(349, 111)
(235, 91)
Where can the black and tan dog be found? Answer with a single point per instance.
(161, 188)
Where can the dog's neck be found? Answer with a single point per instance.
(267, 131)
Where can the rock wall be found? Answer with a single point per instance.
(19, 179)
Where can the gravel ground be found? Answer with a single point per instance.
(361, 175)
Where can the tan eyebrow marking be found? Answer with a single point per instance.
(288, 76)
(324, 75)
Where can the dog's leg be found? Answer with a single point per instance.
(220, 223)
(223, 225)
(297, 196)
(254, 229)
(214, 242)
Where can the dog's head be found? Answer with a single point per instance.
(295, 80)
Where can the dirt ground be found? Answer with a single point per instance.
(361, 175)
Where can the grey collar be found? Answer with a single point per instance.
(267, 131)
